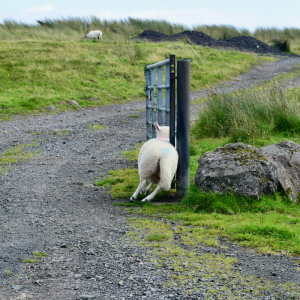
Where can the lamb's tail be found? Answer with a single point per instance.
(168, 166)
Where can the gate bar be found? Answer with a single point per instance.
(161, 63)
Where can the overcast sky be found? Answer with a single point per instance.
(241, 13)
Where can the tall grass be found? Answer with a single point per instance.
(75, 27)
(248, 115)
(130, 27)
(222, 32)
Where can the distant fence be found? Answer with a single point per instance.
(162, 110)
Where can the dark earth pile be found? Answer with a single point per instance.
(153, 36)
(198, 38)
(248, 44)
(241, 43)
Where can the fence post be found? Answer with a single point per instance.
(172, 99)
(183, 127)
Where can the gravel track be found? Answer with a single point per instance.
(50, 204)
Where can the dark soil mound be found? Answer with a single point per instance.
(241, 43)
(198, 38)
(153, 36)
(248, 44)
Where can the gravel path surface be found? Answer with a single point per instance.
(49, 204)
(253, 78)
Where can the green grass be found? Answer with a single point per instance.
(75, 27)
(187, 263)
(37, 258)
(122, 183)
(99, 127)
(16, 154)
(30, 261)
(48, 64)
(269, 225)
(157, 237)
(40, 254)
(38, 74)
(247, 116)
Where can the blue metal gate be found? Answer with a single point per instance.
(155, 103)
(165, 108)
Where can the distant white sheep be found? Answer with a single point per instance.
(96, 34)
(157, 164)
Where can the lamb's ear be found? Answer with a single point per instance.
(157, 126)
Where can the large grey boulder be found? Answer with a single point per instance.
(236, 168)
(286, 157)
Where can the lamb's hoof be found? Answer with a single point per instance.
(132, 199)
(145, 200)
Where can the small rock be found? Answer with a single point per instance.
(51, 108)
(63, 246)
(99, 277)
(88, 296)
(16, 287)
(38, 282)
(75, 103)
(121, 282)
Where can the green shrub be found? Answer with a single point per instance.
(283, 45)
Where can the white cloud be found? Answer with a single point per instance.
(39, 9)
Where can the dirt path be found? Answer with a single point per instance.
(49, 204)
(258, 74)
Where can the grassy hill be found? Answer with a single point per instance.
(36, 74)
(48, 63)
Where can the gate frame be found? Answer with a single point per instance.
(154, 102)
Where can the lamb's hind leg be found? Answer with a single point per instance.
(141, 186)
(152, 195)
(148, 188)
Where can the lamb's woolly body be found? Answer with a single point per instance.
(96, 34)
(157, 164)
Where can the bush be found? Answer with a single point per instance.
(282, 45)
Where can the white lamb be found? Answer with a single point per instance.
(96, 34)
(157, 164)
